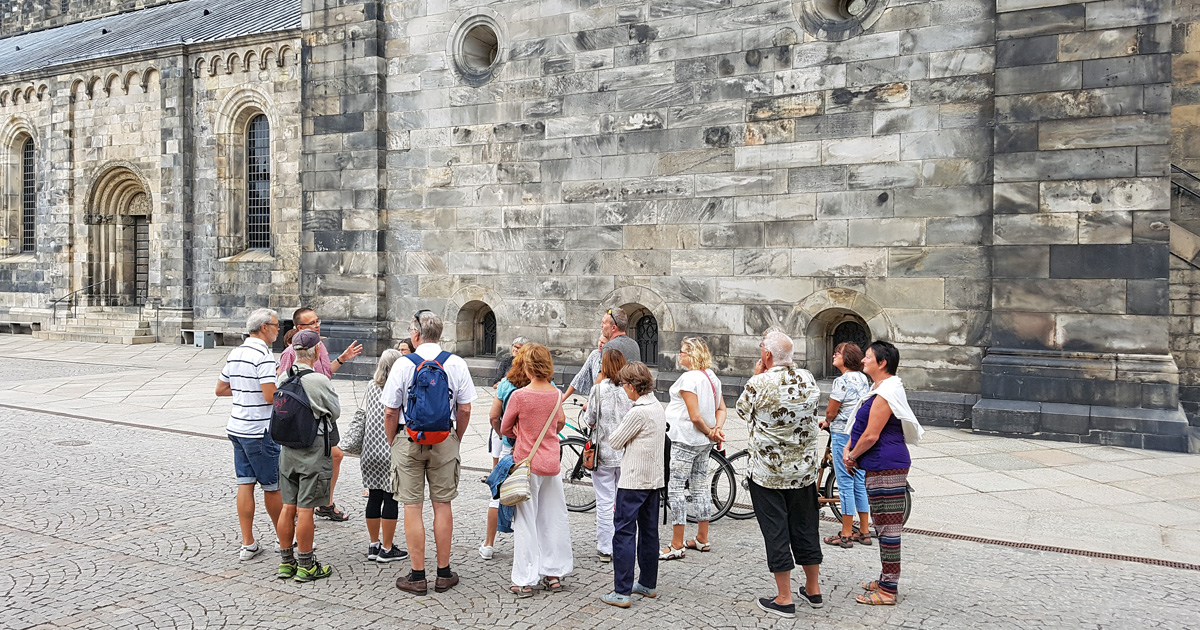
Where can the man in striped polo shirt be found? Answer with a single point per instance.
(249, 376)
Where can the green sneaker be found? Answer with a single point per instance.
(316, 572)
(286, 570)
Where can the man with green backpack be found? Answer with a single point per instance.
(304, 423)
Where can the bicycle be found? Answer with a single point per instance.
(826, 483)
(577, 479)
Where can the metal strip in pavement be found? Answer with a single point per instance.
(1171, 564)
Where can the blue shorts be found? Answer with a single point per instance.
(256, 460)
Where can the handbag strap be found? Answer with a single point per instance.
(716, 401)
(533, 451)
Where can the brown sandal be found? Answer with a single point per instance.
(876, 598)
(873, 585)
(838, 540)
(862, 538)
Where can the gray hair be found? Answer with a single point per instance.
(306, 355)
(384, 367)
(519, 341)
(780, 347)
(428, 326)
(619, 318)
(260, 318)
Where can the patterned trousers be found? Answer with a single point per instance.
(885, 492)
(689, 465)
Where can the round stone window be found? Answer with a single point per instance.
(837, 20)
(476, 48)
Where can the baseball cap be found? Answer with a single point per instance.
(306, 339)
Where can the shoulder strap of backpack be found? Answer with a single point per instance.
(415, 358)
(443, 357)
(295, 374)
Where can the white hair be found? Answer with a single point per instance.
(306, 355)
(780, 347)
(260, 318)
(384, 367)
(428, 326)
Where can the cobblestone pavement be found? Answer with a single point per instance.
(109, 526)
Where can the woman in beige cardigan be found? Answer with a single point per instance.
(643, 435)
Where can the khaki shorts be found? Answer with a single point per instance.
(413, 463)
(304, 475)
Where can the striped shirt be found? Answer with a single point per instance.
(249, 367)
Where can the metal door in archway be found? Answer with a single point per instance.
(118, 240)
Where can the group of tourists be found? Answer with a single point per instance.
(640, 448)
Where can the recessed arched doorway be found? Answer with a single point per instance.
(826, 331)
(118, 239)
(475, 330)
(643, 327)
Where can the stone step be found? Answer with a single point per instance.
(123, 331)
(56, 335)
(105, 323)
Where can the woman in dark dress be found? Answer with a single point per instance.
(877, 445)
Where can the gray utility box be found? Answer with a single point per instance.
(203, 339)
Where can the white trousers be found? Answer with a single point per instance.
(604, 480)
(541, 534)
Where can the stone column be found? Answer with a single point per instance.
(341, 261)
(1079, 340)
(171, 216)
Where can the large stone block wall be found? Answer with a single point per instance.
(25, 112)
(1080, 326)
(1185, 208)
(228, 87)
(19, 16)
(714, 163)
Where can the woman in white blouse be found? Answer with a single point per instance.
(695, 417)
(607, 405)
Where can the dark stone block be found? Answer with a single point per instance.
(1012, 261)
(1062, 19)
(1118, 438)
(1156, 421)
(1147, 297)
(339, 123)
(1006, 416)
(1136, 70)
(1173, 443)
(941, 409)
(1027, 51)
(1065, 418)
(1124, 260)
(1159, 395)
(1016, 138)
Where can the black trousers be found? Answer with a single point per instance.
(635, 536)
(788, 520)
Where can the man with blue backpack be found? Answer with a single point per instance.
(428, 399)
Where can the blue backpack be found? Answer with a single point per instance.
(427, 415)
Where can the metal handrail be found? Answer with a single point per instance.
(54, 303)
(1177, 169)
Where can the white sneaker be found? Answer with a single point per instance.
(249, 551)
(485, 552)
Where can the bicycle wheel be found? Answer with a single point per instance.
(830, 494)
(742, 508)
(577, 480)
(723, 485)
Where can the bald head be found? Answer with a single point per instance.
(780, 347)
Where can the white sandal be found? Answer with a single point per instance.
(671, 554)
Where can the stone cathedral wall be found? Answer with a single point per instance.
(711, 161)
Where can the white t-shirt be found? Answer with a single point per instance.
(395, 391)
(247, 368)
(702, 385)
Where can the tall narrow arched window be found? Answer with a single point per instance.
(28, 197)
(258, 183)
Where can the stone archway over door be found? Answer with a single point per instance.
(118, 221)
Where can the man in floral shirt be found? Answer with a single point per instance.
(779, 404)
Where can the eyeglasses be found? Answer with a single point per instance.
(275, 324)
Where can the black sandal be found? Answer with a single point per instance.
(331, 512)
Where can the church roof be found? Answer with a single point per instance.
(176, 23)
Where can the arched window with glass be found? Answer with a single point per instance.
(28, 197)
(258, 183)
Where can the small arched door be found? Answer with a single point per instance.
(118, 220)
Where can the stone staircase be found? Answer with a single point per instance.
(100, 324)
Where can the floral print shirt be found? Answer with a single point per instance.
(780, 407)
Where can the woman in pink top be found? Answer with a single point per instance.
(542, 536)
